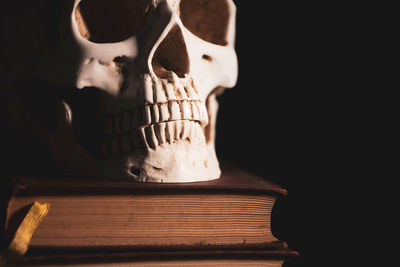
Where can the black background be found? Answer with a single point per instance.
(284, 120)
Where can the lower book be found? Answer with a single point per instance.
(186, 257)
(224, 222)
(233, 210)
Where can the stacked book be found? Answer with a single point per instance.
(224, 222)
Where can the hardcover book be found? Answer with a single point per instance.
(220, 258)
(234, 210)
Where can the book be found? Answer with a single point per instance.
(228, 258)
(89, 214)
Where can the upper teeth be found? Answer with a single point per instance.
(171, 99)
(174, 110)
(173, 88)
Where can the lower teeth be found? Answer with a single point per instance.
(154, 135)
(171, 132)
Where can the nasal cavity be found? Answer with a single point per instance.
(171, 55)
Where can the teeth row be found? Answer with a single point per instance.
(170, 132)
(125, 122)
(176, 110)
(154, 135)
(172, 111)
(163, 90)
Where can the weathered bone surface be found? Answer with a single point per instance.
(133, 87)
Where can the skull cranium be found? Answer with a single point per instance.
(136, 83)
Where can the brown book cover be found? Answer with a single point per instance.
(234, 211)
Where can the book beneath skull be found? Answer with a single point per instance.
(95, 215)
(166, 258)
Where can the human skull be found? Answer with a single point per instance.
(134, 85)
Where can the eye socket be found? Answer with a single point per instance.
(105, 21)
(207, 19)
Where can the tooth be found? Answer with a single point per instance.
(186, 130)
(148, 89)
(169, 89)
(160, 132)
(114, 148)
(126, 122)
(156, 129)
(164, 113)
(182, 91)
(151, 136)
(173, 77)
(191, 93)
(155, 113)
(178, 130)
(195, 112)
(186, 110)
(192, 86)
(196, 131)
(125, 144)
(142, 137)
(68, 112)
(203, 113)
(193, 129)
(200, 134)
(170, 132)
(174, 110)
(159, 93)
(147, 115)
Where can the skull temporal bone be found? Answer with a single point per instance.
(162, 66)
